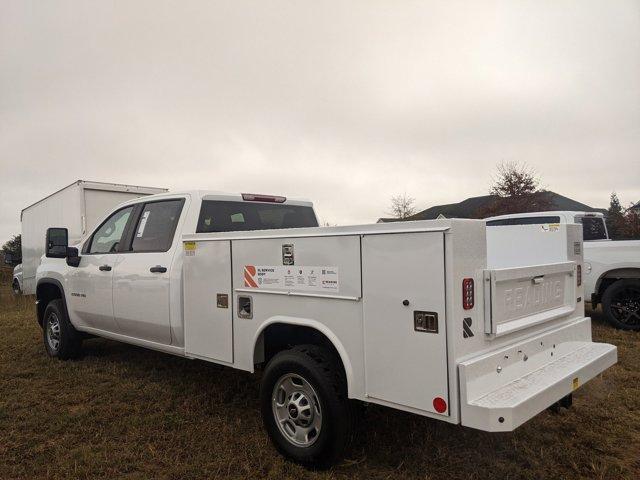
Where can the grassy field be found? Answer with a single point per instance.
(125, 412)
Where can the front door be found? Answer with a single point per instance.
(142, 274)
(89, 288)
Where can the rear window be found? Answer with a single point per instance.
(220, 216)
(592, 228)
(524, 221)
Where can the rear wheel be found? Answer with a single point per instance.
(621, 304)
(15, 286)
(304, 405)
(61, 340)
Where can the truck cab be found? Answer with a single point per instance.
(611, 267)
(136, 252)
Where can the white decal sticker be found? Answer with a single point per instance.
(292, 278)
(550, 227)
(143, 223)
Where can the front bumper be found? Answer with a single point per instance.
(501, 390)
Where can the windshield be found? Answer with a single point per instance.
(593, 228)
(224, 216)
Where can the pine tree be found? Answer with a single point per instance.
(615, 218)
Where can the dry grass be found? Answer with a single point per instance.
(124, 412)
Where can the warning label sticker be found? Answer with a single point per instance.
(292, 278)
(190, 249)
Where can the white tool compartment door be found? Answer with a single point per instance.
(208, 329)
(403, 365)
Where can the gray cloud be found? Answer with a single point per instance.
(346, 103)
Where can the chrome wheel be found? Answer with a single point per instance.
(53, 332)
(297, 410)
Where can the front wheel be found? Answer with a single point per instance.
(61, 340)
(15, 286)
(304, 405)
(621, 304)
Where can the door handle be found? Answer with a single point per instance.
(158, 269)
(105, 268)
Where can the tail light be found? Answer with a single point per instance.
(579, 275)
(467, 294)
(253, 197)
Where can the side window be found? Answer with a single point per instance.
(156, 226)
(592, 228)
(523, 221)
(109, 235)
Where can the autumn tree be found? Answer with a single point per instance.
(402, 206)
(516, 190)
(631, 224)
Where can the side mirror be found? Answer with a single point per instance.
(73, 257)
(57, 242)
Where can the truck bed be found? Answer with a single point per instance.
(396, 316)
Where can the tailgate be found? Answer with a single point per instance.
(503, 389)
(518, 298)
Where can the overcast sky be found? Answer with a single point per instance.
(345, 102)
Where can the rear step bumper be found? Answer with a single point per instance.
(502, 390)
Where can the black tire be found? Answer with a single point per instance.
(15, 287)
(61, 340)
(324, 373)
(621, 304)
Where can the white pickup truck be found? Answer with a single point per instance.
(406, 315)
(16, 283)
(611, 267)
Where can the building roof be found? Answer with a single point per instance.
(471, 207)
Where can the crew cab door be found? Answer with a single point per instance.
(89, 286)
(142, 277)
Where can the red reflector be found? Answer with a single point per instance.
(253, 197)
(467, 294)
(440, 405)
(579, 276)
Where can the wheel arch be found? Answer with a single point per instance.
(610, 276)
(48, 289)
(300, 330)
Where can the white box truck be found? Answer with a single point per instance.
(77, 207)
(406, 315)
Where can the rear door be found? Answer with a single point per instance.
(403, 278)
(142, 274)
